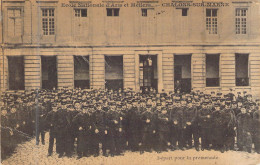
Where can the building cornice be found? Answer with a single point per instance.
(18, 46)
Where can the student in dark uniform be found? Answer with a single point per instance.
(256, 130)
(133, 126)
(82, 122)
(230, 118)
(112, 123)
(148, 124)
(220, 119)
(244, 130)
(119, 130)
(62, 129)
(204, 121)
(40, 123)
(163, 129)
(51, 124)
(98, 125)
(177, 124)
(191, 122)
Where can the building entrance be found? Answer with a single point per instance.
(148, 72)
(182, 73)
(49, 72)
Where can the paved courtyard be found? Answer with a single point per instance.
(30, 154)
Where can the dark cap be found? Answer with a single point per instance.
(252, 104)
(148, 105)
(234, 102)
(217, 105)
(227, 102)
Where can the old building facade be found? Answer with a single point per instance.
(61, 43)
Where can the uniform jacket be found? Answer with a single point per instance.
(164, 122)
(190, 115)
(244, 122)
(148, 119)
(256, 120)
(205, 118)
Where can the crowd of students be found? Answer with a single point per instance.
(87, 122)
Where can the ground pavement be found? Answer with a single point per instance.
(30, 154)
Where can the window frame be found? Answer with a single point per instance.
(209, 22)
(183, 13)
(113, 14)
(48, 17)
(21, 8)
(240, 17)
(80, 13)
(144, 14)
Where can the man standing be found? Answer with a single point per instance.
(256, 130)
(220, 119)
(119, 129)
(62, 129)
(82, 122)
(40, 123)
(163, 124)
(148, 131)
(134, 125)
(51, 124)
(230, 119)
(177, 124)
(98, 127)
(244, 130)
(190, 120)
(204, 122)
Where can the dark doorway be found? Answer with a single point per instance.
(148, 72)
(177, 72)
(81, 72)
(114, 72)
(49, 72)
(182, 73)
(212, 70)
(242, 76)
(16, 73)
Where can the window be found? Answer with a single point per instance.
(184, 12)
(80, 12)
(241, 19)
(16, 72)
(112, 11)
(14, 23)
(212, 21)
(48, 27)
(144, 12)
(49, 72)
(81, 72)
(114, 72)
(212, 70)
(242, 78)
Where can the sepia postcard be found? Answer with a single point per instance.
(113, 82)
